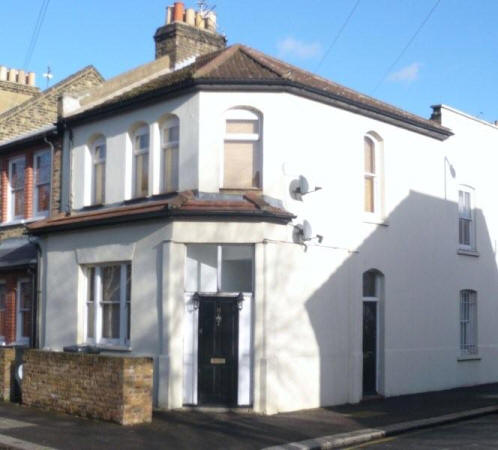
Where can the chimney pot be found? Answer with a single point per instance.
(21, 77)
(3, 73)
(496, 123)
(190, 17)
(31, 78)
(211, 21)
(178, 12)
(169, 15)
(12, 75)
(199, 20)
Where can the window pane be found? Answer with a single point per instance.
(26, 295)
(464, 231)
(128, 301)
(202, 268)
(369, 156)
(170, 157)
(19, 203)
(142, 141)
(43, 197)
(111, 276)
(241, 165)
(142, 175)
(42, 165)
(99, 183)
(100, 153)
(17, 174)
(369, 284)
(369, 194)
(90, 320)
(242, 126)
(236, 268)
(171, 134)
(110, 320)
(25, 300)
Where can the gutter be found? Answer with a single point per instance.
(270, 85)
(199, 215)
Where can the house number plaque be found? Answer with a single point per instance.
(218, 360)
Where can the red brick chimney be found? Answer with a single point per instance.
(187, 33)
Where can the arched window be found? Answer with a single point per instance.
(468, 322)
(242, 161)
(170, 141)
(141, 162)
(371, 176)
(98, 153)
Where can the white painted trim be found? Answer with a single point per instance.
(244, 388)
(10, 203)
(190, 342)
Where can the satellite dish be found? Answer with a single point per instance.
(304, 185)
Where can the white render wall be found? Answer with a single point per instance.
(307, 301)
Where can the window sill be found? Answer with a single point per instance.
(14, 222)
(375, 221)
(469, 358)
(114, 348)
(239, 190)
(468, 252)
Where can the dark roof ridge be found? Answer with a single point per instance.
(218, 59)
(46, 92)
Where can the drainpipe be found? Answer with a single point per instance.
(52, 153)
(69, 205)
(36, 313)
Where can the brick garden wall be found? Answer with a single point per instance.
(113, 388)
(7, 358)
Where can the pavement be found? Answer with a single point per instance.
(32, 429)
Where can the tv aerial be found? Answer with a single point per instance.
(48, 75)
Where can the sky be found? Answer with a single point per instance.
(452, 60)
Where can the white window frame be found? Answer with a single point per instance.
(140, 131)
(470, 217)
(20, 337)
(243, 114)
(168, 185)
(100, 141)
(37, 213)
(468, 323)
(10, 202)
(98, 302)
(377, 176)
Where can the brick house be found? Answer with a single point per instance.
(30, 186)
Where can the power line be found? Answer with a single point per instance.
(388, 71)
(338, 35)
(36, 33)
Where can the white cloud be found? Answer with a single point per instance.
(406, 74)
(295, 47)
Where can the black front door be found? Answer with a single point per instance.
(217, 351)
(369, 348)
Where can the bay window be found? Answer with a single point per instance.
(242, 161)
(98, 171)
(41, 195)
(107, 318)
(170, 137)
(141, 162)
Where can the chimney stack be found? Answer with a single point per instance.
(187, 33)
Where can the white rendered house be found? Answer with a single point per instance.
(196, 233)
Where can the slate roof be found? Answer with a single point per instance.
(17, 252)
(243, 68)
(250, 206)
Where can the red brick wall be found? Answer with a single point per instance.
(5, 187)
